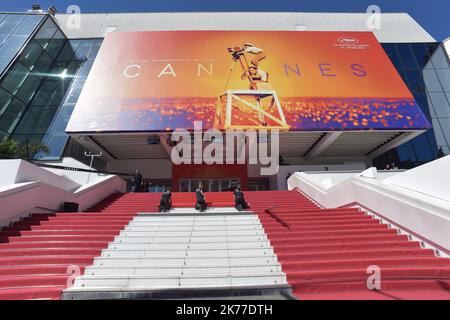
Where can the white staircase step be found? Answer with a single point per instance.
(219, 250)
(193, 228)
(213, 262)
(193, 233)
(185, 246)
(189, 239)
(188, 281)
(177, 271)
(187, 253)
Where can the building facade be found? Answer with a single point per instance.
(45, 61)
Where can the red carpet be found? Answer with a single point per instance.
(325, 253)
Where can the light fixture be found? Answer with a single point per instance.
(36, 7)
(52, 10)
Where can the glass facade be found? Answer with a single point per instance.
(425, 70)
(15, 29)
(40, 88)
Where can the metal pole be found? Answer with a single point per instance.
(90, 154)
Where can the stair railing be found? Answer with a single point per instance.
(276, 217)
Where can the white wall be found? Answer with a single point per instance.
(18, 171)
(26, 188)
(79, 177)
(432, 179)
(279, 181)
(396, 27)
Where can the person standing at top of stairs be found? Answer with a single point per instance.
(137, 182)
(200, 197)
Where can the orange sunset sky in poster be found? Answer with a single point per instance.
(345, 81)
(306, 49)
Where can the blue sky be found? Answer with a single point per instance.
(433, 15)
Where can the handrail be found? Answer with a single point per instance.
(276, 217)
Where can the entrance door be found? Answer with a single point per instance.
(209, 185)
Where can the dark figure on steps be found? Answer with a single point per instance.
(165, 204)
(239, 201)
(137, 182)
(200, 196)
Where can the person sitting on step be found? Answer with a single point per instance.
(165, 204)
(200, 196)
(239, 201)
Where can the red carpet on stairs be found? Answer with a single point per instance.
(325, 253)
(38, 253)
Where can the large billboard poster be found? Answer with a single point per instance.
(322, 81)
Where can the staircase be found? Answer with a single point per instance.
(326, 252)
(185, 254)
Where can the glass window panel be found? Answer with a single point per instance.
(74, 95)
(95, 48)
(424, 153)
(444, 78)
(430, 105)
(11, 46)
(406, 56)
(422, 100)
(440, 137)
(415, 80)
(28, 121)
(28, 88)
(445, 125)
(421, 52)
(45, 93)
(3, 63)
(224, 184)
(402, 74)
(8, 24)
(86, 68)
(43, 122)
(215, 185)
(391, 52)
(63, 119)
(15, 77)
(46, 33)
(73, 67)
(184, 186)
(11, 115)
(421, 140)
(83, 49)
(31, 54)
(43, 64)
(431, 80)
(440, 104)
(28, 24)
(67, 52)
(440, 59)
(5, 99)
(55, 45)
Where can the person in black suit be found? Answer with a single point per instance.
(165, 204)
(200, 197)
(239, 201)
(137, 182)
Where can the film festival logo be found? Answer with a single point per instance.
(230, 147)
